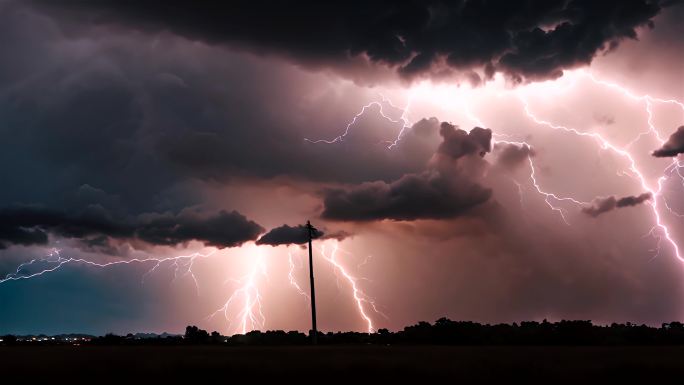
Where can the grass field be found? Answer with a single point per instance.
(342, 364)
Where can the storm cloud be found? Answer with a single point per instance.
(457, 143)
(605, 204)
(287, 235)
(673, 146)
(511, 155)
(522, 39)
(445, 190)
(137, 119)
(30, 225)
(223, 229)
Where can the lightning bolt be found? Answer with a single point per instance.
(553, 200)
(403, 120)
(624, 153)
(550, 196)
(361, 299)
(54, 261)
(247, 299)
(293, 280)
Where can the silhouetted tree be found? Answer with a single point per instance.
(195, 335)
(216, 337)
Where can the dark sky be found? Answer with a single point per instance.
(493, 161)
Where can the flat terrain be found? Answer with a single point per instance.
(342, 364)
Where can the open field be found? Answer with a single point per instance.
(342, 364)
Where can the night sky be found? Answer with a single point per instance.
(493, 161)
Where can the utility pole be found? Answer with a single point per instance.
(314, 332)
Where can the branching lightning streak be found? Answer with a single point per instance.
(636, 173)
(247, 297)
(245, 301)
(603, 143)
(293, 281)
(182, 263)
(548, 196)
(403, 120)
(364, 262)
(627, 92)
(360, 297)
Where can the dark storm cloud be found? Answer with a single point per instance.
(445, 190)
(457, 143)
(30, 225)
(415, 196)
(605, 204)
(93, 220)
(13, 235)
(523, 39)
(673, 146)
(223, 229)
(510, 155)
(137, 116)
(287, 235)
(297, 235)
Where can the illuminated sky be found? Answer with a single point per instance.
(494, 161)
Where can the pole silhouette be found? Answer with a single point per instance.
(314, 331)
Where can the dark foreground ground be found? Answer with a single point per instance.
(342, 364)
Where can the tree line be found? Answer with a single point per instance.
(442, 332)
